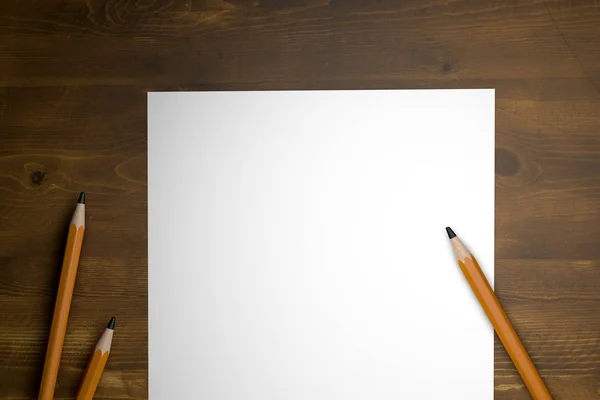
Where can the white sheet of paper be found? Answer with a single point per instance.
(297, 248)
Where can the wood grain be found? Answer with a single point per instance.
(73, 81)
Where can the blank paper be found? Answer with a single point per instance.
(297, 248)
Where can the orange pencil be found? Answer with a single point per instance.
(63, 300)
(90, 381)
(484, 293)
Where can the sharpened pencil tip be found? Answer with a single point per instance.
(111, 323)
(81, 199)
(450, 232)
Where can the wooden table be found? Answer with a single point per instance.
(73, 81)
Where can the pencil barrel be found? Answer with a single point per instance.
(61, 312)
(92, 375)
(504, 329)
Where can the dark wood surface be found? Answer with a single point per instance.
(73, 81)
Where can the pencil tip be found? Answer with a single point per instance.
(81, 199)
(450, 232)
(111, 323)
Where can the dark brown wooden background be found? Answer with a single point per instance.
(73, 81)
